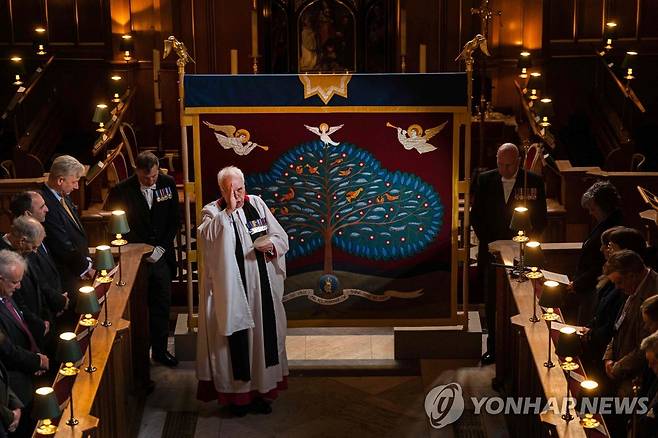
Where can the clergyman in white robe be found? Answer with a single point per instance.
(225, 308)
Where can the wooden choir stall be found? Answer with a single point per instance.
(106, 401)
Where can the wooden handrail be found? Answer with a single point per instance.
(626, 90)
(540, 132)
(113, 125)
(23, 92)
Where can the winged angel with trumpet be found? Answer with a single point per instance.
(413, 138)
(237, 139)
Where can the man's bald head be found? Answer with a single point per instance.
(507, 158)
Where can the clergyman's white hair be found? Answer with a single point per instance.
(229, 171)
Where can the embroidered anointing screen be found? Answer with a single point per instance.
(362, 172)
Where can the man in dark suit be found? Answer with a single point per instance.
(496, 194)
(25, 236)
(31, 204)
(150, 201)
(20, 355)
(623, 359)
(65, 237)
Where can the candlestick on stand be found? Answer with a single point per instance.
(254, 65)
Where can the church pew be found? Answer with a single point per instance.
(109, 401)
(520, 342)
(574, 181)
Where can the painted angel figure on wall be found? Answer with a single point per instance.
(237, 139)
(324, 131)
(413, 138)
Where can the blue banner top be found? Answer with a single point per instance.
(312, 90)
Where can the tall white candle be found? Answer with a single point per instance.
(234, 61)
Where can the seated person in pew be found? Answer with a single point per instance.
(602, 202)
(623, 359)
(648, 423)
(20, 355)
(25, 236)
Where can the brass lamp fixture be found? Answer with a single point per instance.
(45, 409)
(104, 262)
(551, 297)
(40, 40)
(569, 347)
(544, 111)
(534, 85)
(609, 34)
(69, 353)
(521, 224)
(127, 46)
(534, 259)
(629, 64)
(88, 306)
(101, 116)
(119, 227)
(116, 87)
(18, 69)
(524, 63)
(588, 389)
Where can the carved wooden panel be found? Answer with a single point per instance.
(561, 20)
(62, 21)
(589, 19)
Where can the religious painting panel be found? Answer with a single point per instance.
(326, 37)
(361, 172)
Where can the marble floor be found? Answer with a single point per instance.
(330, 406)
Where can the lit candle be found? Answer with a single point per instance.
(422, 56)
(254, 33)
(403, 32)
(234, 61)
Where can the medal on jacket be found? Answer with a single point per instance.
(257, 226)
(528, 194)
(162, 195)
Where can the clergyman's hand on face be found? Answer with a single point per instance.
(232, 201)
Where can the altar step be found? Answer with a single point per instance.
(385, 350)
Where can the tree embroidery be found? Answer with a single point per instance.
(340, 195)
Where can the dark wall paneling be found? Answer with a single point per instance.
(648, 19)
(92, 24)
(5, 22)
(26, 13)
(62, 21)
(561, 19)
(590, 19)
(625, 11)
